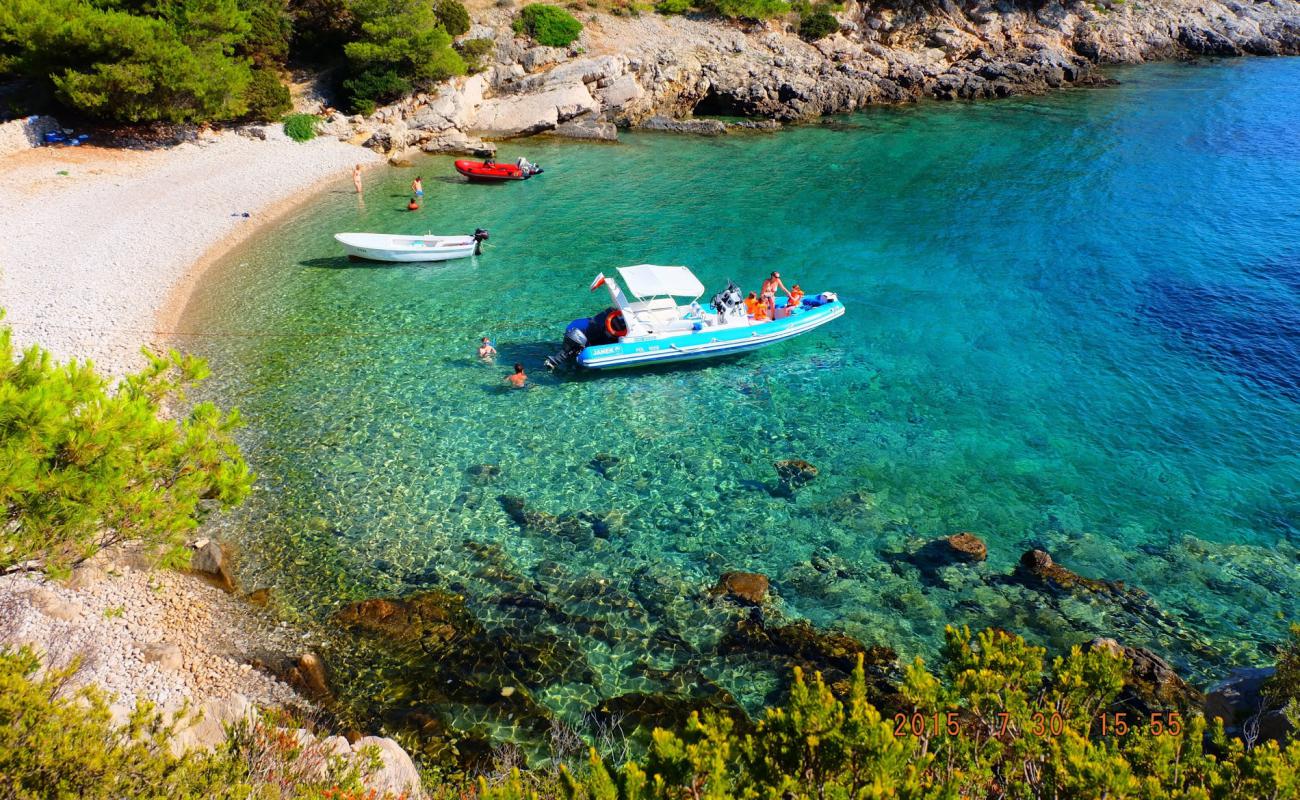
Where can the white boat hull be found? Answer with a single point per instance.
(406, 249)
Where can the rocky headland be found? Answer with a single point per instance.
(671, 72)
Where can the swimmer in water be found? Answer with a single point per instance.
(518, 379)
(485, 350)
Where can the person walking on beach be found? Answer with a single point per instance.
(356, 177)
(485, 350)
(518, 380)
(417, 186)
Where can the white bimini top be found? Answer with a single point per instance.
(649, 280)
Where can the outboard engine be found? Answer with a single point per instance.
(575, 338)
(726, 301)
(480, 236)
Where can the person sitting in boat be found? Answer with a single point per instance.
(761, 312)
(795, 298)
(518, 379)
(485, 350)
(489, 162)
(751, 302)
(767, 292)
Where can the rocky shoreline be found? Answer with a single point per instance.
(188, 645)
(659, 73)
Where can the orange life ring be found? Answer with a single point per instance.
(615, 315)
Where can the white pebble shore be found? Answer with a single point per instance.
(90, 259)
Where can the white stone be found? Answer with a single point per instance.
(520, 115)
(398, 774)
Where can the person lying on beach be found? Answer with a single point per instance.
(485, 350)
(518, 380)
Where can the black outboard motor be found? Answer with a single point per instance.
(727, 299)
(574, 340)
(480, 236)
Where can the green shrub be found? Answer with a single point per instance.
(547, 25)
(117, 62)
(270, 29)
(995, 722)
(82, 467)
(374, 86)
(474, 51)
(747, 9)
(268, 98)
(817, 24)
(301, 127)
(320, 29)
(401, 37)
(1282, 690)
(453, 15)
(670, 7)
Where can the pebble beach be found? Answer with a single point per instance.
(100, 244)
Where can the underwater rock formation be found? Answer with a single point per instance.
(792, 475)
(746, 588)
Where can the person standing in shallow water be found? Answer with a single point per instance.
(356, 177)
(417, 186)
(518, 379)
(485, 350)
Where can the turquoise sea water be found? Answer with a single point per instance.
(1073, 323)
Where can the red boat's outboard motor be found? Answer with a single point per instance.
(575, 338)
(480, 236)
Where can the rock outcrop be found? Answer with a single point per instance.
(660, 72)
(1150, 684)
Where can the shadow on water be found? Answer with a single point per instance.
(346, 262)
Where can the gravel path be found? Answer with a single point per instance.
(96, 241)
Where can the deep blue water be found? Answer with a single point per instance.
(1073, 323)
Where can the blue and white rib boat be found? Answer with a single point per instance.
(655, 328)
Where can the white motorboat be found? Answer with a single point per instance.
(654, 328)
(391, 247)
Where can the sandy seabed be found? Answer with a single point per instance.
(99, 246)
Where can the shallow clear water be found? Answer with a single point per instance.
(1073, 323)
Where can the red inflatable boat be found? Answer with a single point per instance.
(483, 171)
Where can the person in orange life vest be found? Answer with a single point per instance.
(751, 303)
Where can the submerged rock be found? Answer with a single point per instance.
(483, 473)
(429, 619)
(746, 588)
(670, 710)
(1036, 566)
(832, 653)
(967, 546)
(307, 674)
(792, 475)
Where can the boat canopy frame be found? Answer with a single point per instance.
(650, 281)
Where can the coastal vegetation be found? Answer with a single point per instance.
(400, 47)
(548, 25)
(84, 466)
(57, 741)
(995, 720)
(301, 127)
